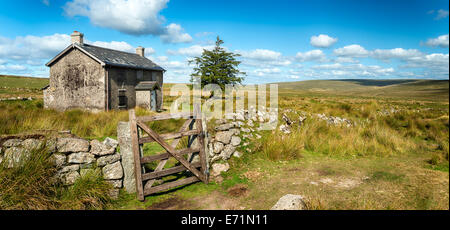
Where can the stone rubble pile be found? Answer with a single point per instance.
(232, 132)
(289, 120)
(74, 157)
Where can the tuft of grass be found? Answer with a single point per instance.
(29, 185)
(386, 176)
(89, 192)
(281, 147)
(32, 185)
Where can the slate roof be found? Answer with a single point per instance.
(147, 85)
(110, 57)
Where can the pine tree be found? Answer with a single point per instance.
(217, 67)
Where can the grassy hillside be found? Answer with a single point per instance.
(16, 86)
(403, 89)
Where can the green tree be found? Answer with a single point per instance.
(217, 66)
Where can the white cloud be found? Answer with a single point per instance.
(46, 2)
(265, 71)
(261, 54)
(441, 41)
(346, 60)
(115, 45)
(441, 14)
(191, 51)
(322, 41)
(351, 51)
(399, 53)
(136, 17)
(175, 34)
(312, 55)
(33, 47)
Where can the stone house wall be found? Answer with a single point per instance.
(123, 78)
(76, 81)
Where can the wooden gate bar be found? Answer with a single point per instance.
(148, 159)
(170, 185)
(167, 136)
(184, 115)
(165, 172)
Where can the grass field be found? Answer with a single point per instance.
(395, 157)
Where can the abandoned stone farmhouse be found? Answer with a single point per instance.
(95, 78)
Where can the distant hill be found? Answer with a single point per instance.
(404, 89)
(413, 89)
(22, 82)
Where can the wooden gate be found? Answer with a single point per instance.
(145, 180)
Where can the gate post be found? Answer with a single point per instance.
(126, 153)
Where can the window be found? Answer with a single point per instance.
(123, 101)
(140, 74)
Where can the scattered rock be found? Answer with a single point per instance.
(218, 168)
(290, 202)
(227, 152)
(237, 154)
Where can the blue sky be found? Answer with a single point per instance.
(278, 40)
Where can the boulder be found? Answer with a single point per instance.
(109, 159)
(235, 140)
(101, 149)
(113, 171)
(237, 154)
(70, 145)
(224, 136)
(218, 168)
(81, 158)
(290, 202)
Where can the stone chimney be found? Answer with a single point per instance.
(77, 37)
(140, 51)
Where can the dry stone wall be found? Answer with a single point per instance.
(73, 157)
